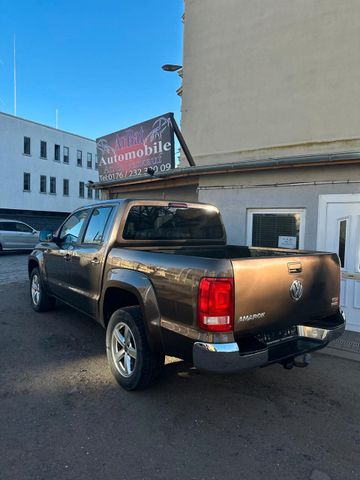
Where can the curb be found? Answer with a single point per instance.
(336, 352)
(347, 346)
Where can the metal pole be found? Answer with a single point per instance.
(14, 75)
(182, 142)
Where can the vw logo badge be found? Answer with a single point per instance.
(296, 290)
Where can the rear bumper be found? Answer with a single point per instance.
(227, 357)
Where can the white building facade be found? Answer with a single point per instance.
(45, 172)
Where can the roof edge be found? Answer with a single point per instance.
(247, 165)
(46, 126)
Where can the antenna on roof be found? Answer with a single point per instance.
(14, 74)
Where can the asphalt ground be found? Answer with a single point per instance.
(62, 416)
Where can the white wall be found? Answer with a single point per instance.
(270, 78)
(298, 188)
(13, 164)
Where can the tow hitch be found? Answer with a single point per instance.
(304, 361)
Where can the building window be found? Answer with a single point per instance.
(57, 153)
(66, 187)
(79, 158)
(89, 192)
(96, 166)
(97, 194)
(42, 184)
(81, 190)
(26, 186)
(89, 160)
(43, 153)
(53, 185)
(276, 228)
(27, 146)
(66, 155)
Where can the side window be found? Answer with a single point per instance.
(6, 227)
(96, 227)
(10, 227)
(70, 231)
(21, 227)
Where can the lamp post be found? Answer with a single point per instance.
(168, 67)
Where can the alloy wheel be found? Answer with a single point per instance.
(123, 349)
(35, 289)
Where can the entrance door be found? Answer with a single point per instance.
(339, 231)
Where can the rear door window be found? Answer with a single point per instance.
(147, 222)
(97, 225)
(8, 226)
(4, 226)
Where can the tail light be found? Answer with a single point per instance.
(216, 304)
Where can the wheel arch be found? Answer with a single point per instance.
(32, 263)
(126, 288)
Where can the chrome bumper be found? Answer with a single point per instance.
(227, 358)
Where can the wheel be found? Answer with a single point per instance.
(40, 300)
(131, 361)
(1, 247)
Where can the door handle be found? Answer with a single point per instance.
(95, 261)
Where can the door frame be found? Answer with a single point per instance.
(324, 200)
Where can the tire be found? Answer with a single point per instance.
(40, 300)
(1, 249)
(131, 361)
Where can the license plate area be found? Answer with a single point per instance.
(276, 336)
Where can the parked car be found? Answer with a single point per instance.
(16, 235)
(161, 279)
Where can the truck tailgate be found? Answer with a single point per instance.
(266, 291)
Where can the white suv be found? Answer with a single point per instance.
(15, 235)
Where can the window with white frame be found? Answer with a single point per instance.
(276, 228)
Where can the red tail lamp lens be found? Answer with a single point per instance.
(216, 304)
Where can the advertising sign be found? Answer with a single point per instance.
(130, 152)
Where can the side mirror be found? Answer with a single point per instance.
(46, 236)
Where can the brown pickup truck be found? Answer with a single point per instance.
(161, 279)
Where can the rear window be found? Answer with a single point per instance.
(147, 222)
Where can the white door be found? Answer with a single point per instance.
(339, 231)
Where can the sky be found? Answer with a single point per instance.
(97, 61)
